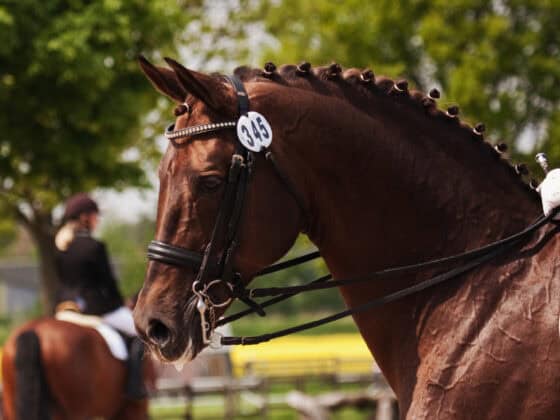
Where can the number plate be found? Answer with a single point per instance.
(254, 132)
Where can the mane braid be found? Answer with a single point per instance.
(333, 80)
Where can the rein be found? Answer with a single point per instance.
(218, 272)
(479, 255)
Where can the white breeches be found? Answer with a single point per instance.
(121, 319)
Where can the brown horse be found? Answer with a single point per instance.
(384, 179)
(57, 370)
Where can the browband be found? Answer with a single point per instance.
(172, 134)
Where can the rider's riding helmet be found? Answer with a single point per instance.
(78, 204)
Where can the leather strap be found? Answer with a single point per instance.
(242, 97)
(178, 256)
(477, 258)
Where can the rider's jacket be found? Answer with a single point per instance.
(86, 276)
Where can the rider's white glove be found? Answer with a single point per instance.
(550, 192)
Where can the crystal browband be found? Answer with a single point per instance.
(172, 134)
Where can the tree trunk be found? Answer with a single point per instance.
(49, 276)
(43, 232)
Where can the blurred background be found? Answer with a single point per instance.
(76, 114)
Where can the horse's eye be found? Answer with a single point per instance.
(210, 183)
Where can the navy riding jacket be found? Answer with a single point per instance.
(86, 275)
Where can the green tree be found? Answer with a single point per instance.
(73, 102)
(499, 60)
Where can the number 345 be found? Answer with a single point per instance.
(254, 132)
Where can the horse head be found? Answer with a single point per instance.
(194, 174)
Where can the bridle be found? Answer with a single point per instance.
(215, 272)
(212, 271)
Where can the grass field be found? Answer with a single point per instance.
(277, 413)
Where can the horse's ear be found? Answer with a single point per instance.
(164, 80)
(210, 90)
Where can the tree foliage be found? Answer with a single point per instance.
(499, 60)
(73, 100)
(71, 93)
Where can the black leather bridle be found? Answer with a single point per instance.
(215, 271)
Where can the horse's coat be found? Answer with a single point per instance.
(388, 180)
(83, 379)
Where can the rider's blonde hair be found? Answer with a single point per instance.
(66, 235)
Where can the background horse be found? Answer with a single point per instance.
(53, 369)
(385, 179)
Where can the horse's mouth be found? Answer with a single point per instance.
(182, 348)
(178, 354)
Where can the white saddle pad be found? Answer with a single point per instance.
(114, 340)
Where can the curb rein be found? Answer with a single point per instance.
(214, 272)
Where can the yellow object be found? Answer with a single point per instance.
(301, 355)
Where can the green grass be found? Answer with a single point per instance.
(205, 410)
(281, 413)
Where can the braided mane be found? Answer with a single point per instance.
(353, 83)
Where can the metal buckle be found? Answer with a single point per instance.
(204, 304)
(201, 290)
(198, 288)
(238, 159)
(212, 302)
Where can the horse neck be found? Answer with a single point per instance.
(390, 187)
(395, 186)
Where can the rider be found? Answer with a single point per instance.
(87, 279)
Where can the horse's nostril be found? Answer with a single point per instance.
(158, 332)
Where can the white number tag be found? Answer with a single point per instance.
(253, 131)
